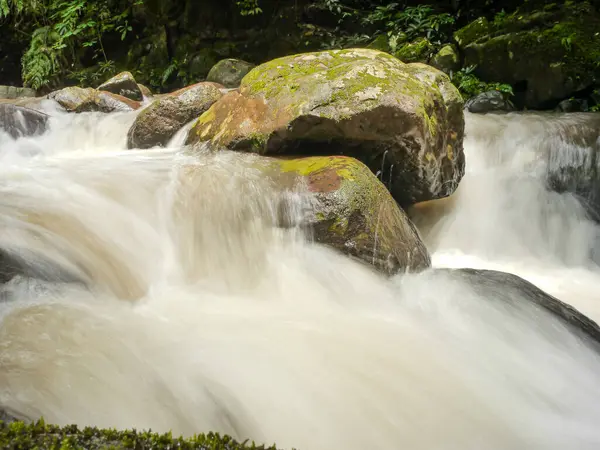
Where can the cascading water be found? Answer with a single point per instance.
(503, 217)
(171, 301)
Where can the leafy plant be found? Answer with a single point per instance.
(248, 7)
(412, 22)
(42, 60)
(65, 32)
(469, 85)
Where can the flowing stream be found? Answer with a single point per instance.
(169, 299)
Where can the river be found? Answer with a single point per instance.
(168, 299)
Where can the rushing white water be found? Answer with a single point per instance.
(503, 217)
(194, 312)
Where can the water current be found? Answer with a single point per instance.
(169, 299)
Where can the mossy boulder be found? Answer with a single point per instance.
(78, 100)
(229, 72)
(123, 84)
(19, 121)
(447, 59)
(404, 120)
(474, 31)
(159, 122)
(547, 55)
(419, 50)
(352, 211)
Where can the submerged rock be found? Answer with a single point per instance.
(19, 121)
(510, 288)
(572, 146)
(573, 105)
(547, 54)
(7, 417)
(76, 99)
(123, 84)
(159, 122)
(487, 102)
(30, 265)
(352, 211)
(405, 120)
(229, 72)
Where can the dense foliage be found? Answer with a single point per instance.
(21, 436)
(168, 44)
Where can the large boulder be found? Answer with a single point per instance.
(404, 121)
(159, 122)
(350, 210)
(19, 121)
(229, 72)
(547, 55)
(123, 84)
(76, 99)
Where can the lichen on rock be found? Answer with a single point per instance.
(404, 120)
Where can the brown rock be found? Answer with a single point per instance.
(159, 122)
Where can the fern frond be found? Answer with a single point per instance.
(41, 61)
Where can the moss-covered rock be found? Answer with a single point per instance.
(474, 31)
(123, 84)
(447, 59)
(353, 212)
(404, 120)
(229, 72)
(76, 99)
(159, 122)
(419, 50)
(548, 54)
(381, 43)
(21, 436)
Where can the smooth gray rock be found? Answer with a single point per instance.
(19, 121)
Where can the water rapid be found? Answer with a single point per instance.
(169, 299)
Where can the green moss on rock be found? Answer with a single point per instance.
(359, 102)
(419, 50)
(21, 436)
(554, 53)
(354, 212)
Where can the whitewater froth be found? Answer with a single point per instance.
(195, 312)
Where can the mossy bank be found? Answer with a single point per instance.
(40, 436)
